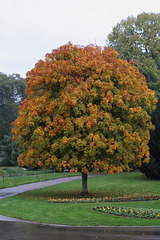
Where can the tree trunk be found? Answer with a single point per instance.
(84, 183)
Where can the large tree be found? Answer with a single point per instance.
(86, 109)
(12, 91)
(139, 38)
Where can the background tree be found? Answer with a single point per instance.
(85, 109)
(10, 150)
(152, 169)
(139, 38)
(12, 91)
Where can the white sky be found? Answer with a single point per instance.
(31, 28)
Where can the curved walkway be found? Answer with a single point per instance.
(11, 191)
(7, 192)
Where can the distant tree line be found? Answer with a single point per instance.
(12, 92)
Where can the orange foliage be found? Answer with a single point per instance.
(85, 109)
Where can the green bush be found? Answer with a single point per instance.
(14, 171)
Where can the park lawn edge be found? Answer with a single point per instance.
(85, 217)
(31, 206)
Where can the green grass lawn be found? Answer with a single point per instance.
(34, 205)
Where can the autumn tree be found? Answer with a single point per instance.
(86, 109)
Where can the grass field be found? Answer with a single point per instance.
(34, 205)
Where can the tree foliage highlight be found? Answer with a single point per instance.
(86, 109)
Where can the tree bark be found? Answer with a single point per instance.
(84, 183)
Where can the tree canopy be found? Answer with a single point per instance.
(86, 109)
(139, 38)
(10, 150)
(152, 169)
(12, 91)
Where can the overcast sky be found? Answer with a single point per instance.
(32, 28)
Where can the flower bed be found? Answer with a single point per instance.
(132, 198)
(127, 212)
(73, 200)
(96, 200)
(118, 211)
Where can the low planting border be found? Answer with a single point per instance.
(128, 212)
(117, 211)
(106, 199)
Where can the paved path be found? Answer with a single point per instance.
(7, 192)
